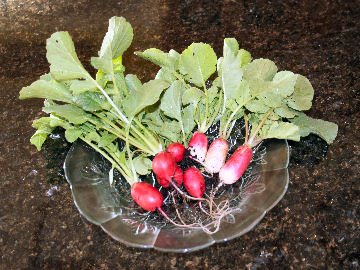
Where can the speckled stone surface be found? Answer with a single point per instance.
(315, 226)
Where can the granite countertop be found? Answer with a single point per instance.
(315, 226)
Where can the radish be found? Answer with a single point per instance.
(146, 196)
(162, 182)
(198, 146)
(194, 182)
(216, 155)
(178, 178)
(164, 166)
(237, 164)
(177, 150)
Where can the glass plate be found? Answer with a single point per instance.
(114, 211)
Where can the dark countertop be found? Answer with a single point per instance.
(315, 226)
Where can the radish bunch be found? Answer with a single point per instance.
(168, 173)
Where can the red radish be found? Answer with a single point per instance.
(162, 182)
(216, 155)
(178, 178)
(177, 150)
(146, 196)
(164, 166)
(198, 146)
(236, 165)
(194, 182)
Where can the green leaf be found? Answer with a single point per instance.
(106, 139)
(43, 124)
(192, 95)
(57, 122)
(170, 130)
(160, 58)
(43, 130)
(284, 112)
(301, 99)
(92, 102)
(48, 89)
(72, 134)
(132, 82)
(263, 69)
(156, 56)
(283, 83)
(188, 118)
(171, 100)
(142, 165)
(244, 93)
(64, 63)
(116, 41)
(281, 130)
(166, 75)
(324, 129)
(71, 113)
(80, 86)
(121, 87)
(257, 105)
(231, 71)
(271, 99)
(244, 56)
(147, 95)
(197, 63)
(38, 139)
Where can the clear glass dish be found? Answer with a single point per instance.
(114, 211)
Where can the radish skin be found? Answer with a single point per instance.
(216, 155)
(146, 196)
(198, 146)
(236, 165)
(194, 182)
(164, 166)
(177, 150)
(177, 178)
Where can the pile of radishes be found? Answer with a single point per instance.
(212, 159)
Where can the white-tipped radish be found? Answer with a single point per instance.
(236, 165)
(198, 146)
(216, 155)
